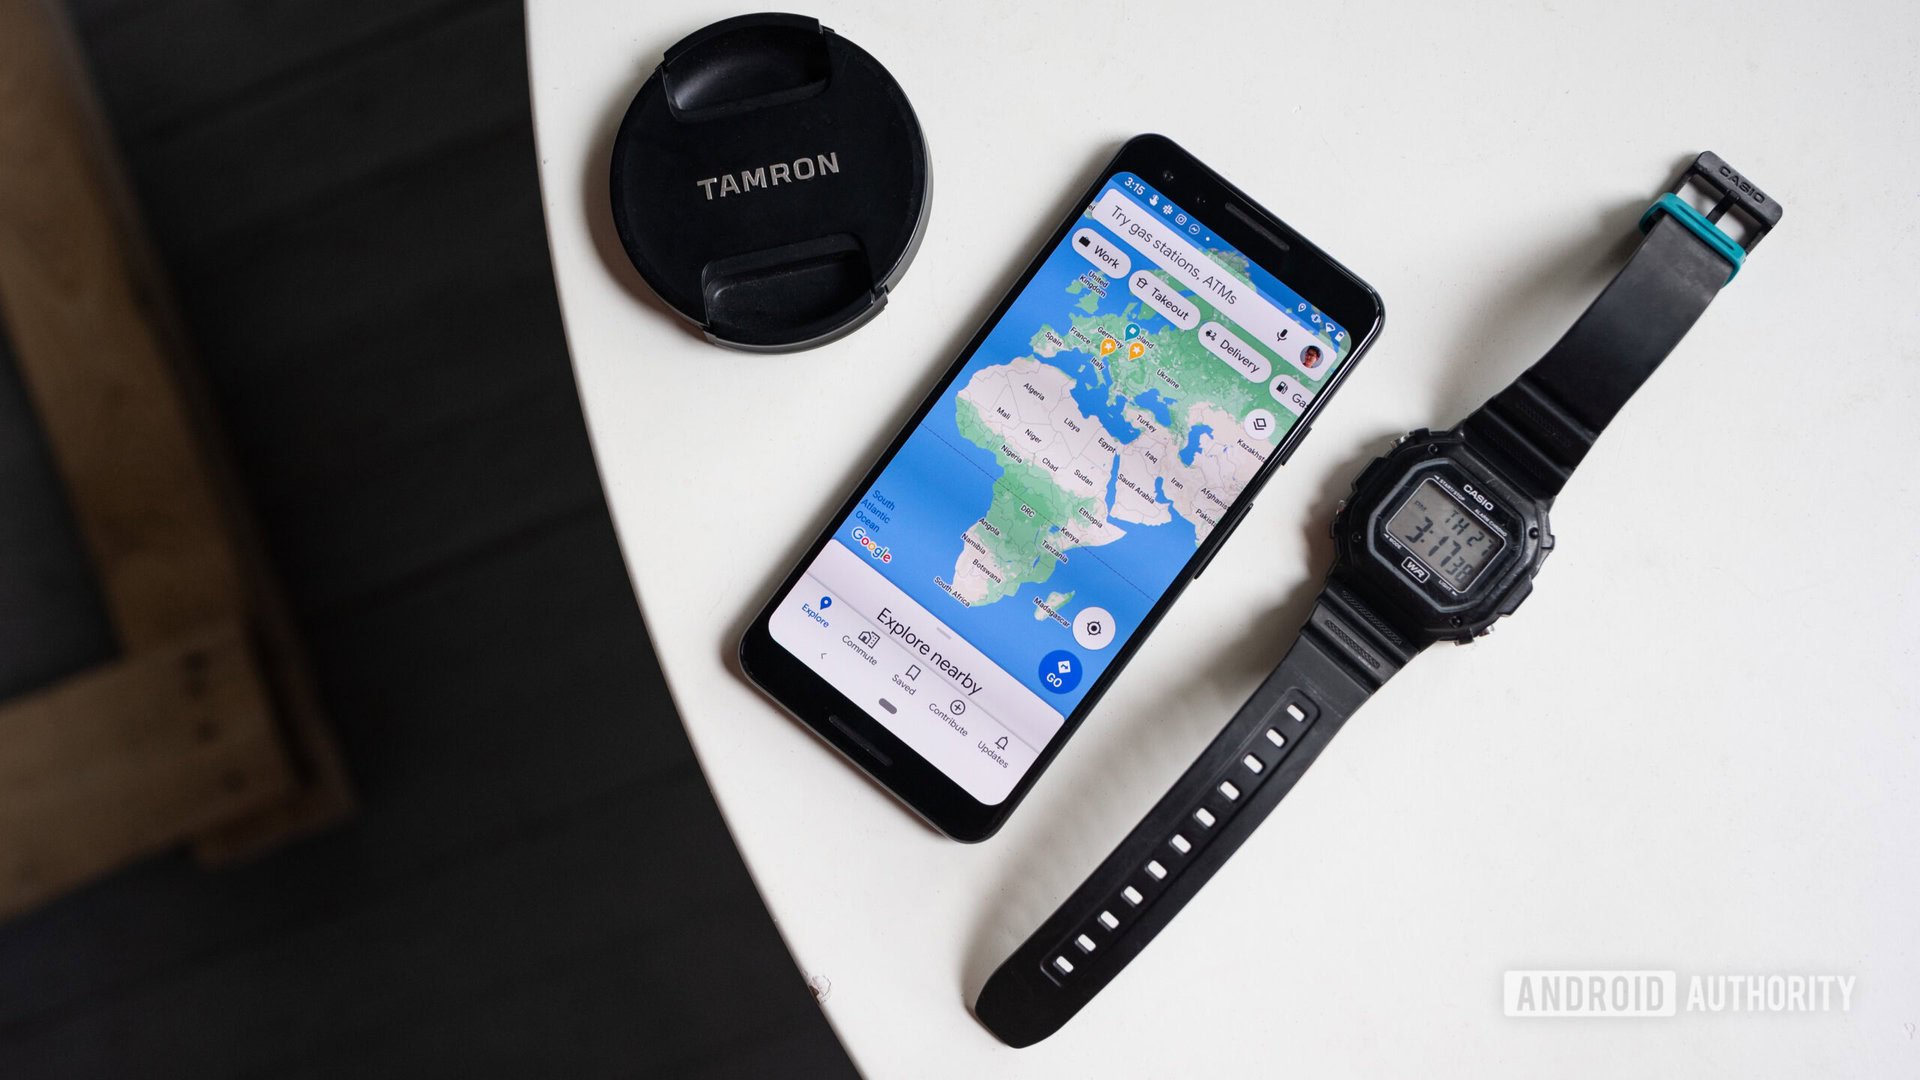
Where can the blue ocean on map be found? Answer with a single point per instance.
(1155, 404)
(1193, 442)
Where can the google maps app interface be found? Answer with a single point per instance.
(1058, 487)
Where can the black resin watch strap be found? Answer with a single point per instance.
(1541, 427)
(1342, 656)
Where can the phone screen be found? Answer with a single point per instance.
(1059, 486)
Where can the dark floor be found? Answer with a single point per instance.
(538, 884)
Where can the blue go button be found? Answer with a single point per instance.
(1060, 671)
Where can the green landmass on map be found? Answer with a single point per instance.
(1015, 537)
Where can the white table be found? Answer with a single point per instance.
(1696, 754)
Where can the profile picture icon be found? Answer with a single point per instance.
(1310, 358)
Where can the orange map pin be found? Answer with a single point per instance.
(1136, 350)
(1108, 345)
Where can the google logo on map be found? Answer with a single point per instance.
(860, 537)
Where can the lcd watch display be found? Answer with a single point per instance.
(1059, 486)
(1443, 534)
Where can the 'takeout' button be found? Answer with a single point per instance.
(1180, 310)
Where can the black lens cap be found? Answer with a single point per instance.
(770, 182)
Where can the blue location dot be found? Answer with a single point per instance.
(826, 602)
(1060, 671)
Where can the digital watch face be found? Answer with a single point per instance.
(1444, 534)
(1061, 483)
(1440, 534)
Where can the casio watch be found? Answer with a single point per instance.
(1438, 540)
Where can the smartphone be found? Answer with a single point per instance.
(1088, 453)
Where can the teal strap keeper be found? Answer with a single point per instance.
(1676, 208)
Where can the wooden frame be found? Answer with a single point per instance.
(207, 728)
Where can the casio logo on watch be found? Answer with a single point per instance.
(1484, 502)
(766, 176)
(1742, 183)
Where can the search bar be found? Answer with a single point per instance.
(1157, 240)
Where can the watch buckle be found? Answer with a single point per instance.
(1759, 211)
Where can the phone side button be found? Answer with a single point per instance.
(1220, 537)
(1298, 439)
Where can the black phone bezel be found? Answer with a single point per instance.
(1252, 230)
